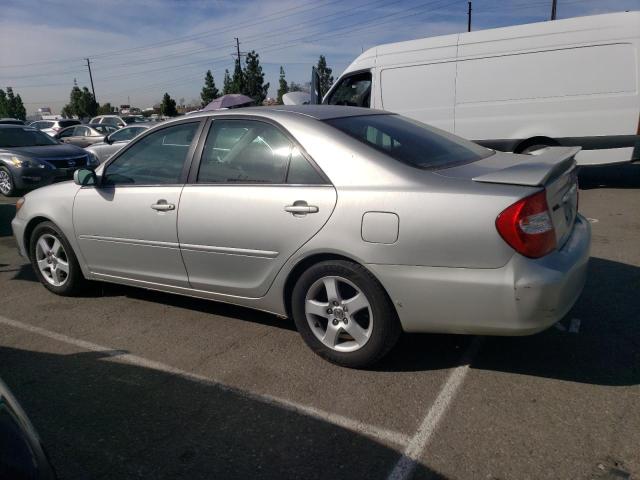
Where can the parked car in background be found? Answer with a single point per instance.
(31, 159)
(571, 82)
(84, 135)
(115, 141)
(11, 121)
(357, 223)
(118, 121)
(51, 127)
(22, 455)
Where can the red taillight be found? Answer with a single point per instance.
(527, 226)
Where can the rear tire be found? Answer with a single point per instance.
(54, 261)
(344, 314)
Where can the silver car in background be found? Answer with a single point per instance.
(115, 141)
(357, 223)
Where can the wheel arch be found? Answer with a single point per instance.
(539, 140)
(28, 231)
(305, 263)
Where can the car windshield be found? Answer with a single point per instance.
(409, 141)
(24, 137)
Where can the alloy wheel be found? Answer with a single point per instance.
(339, 314)
(6, 185)
(52, 260)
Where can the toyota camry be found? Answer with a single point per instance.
(358, 224)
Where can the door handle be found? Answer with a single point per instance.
(300, 207)
(163, 206)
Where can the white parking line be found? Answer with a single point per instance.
(357, 426)
(417, 445)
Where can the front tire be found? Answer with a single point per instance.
(7, 185)
(54, 261)
(343, 314)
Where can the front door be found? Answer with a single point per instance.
(254, 201)
(126, 227)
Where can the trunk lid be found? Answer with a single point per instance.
(552, 168)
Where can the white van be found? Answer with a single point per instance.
(567, 82)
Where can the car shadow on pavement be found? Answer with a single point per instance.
(7, 212)
(626, 175)
(605, 349)
(102, 418)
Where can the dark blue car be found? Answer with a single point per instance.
(30, 159)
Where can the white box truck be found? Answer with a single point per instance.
(570, 82)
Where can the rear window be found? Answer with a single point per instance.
(409, 141)
(67, 123)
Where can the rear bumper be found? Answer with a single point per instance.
(523, 297)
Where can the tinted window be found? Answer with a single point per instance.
(24, 137)
(409, 141)
(247, 151)
(155, 159)
(354, 90)
(68, 123)
(95, 120)
(111, 121)
(81, 132)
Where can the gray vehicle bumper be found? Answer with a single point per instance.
(521, 298)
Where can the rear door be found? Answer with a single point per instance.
(253, 200)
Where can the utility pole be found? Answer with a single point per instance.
(469, 18)
(238, 69)
(93, 90)
(554, 9)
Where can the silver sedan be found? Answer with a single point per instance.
(357, 223)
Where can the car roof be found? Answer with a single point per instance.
(318, 112)
(12, 125)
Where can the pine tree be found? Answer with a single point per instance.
(237, 82)
(324, 72)
(4, 107)
(254, 85)
(227, 86)
(209, 91)
(283, 86)
(19, 111)
(168, 106)
(11, 105)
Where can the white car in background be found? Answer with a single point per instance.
(115, 141)
(51, 127)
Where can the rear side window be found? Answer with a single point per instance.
(410, 142)
(354, 90)
(248, 151)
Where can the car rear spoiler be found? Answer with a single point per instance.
(544, 165)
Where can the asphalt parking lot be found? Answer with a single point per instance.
(125, 383)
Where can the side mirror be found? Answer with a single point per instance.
(107, 140)
(85, 177)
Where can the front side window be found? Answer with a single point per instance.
(354, 90)
(95, 120)
(249, 151)
(157, 159)
(67, 132)
(409, 141)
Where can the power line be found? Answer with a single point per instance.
(186, 38)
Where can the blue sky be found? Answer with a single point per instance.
(142, 48)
